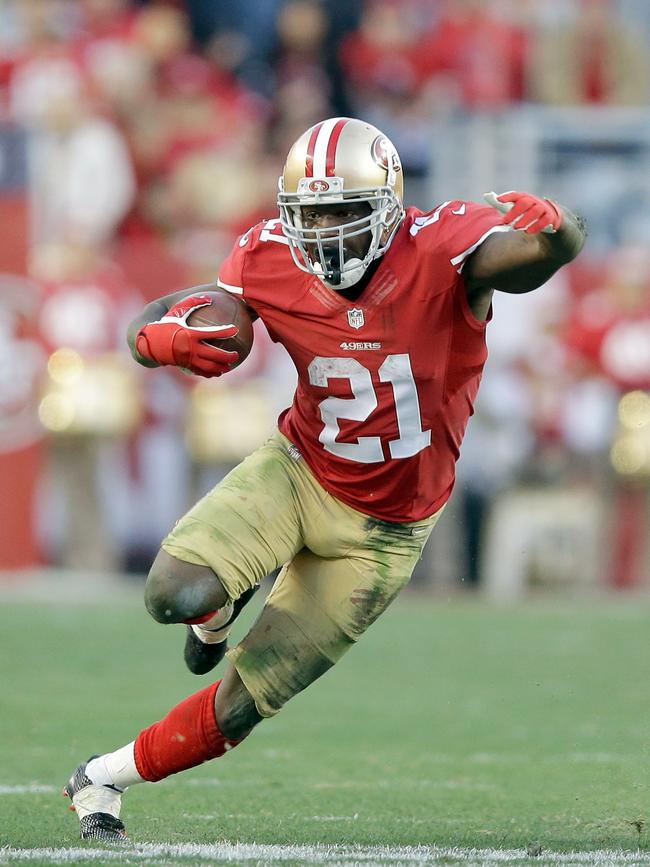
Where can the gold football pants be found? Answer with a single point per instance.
(340, 567)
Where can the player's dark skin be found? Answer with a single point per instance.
(326, 217)
(511, 262)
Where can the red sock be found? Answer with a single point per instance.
(202, 619)
(186, 737)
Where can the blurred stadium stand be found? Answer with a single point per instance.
(138, 139)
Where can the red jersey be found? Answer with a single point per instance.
(386, 383)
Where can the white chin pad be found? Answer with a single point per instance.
(354, 271)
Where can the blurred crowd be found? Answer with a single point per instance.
(153, 133)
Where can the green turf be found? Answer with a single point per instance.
(452, 723)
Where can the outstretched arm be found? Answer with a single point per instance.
(545, 238)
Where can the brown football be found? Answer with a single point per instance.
(226, 309)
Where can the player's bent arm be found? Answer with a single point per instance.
(517, 262)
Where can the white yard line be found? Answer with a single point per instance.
(341, 856)
(28, 789)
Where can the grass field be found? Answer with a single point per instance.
(455, 733)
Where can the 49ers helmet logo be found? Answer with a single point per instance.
(319, 186)
(385, 155)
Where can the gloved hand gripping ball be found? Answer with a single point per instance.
(207, 334)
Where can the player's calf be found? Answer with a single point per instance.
(235, 709)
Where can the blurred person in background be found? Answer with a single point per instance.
(81, 186)
(609, 326)
(303, 90)
(250, 39)
(120, 73)
(22, 364)
(90, 405)
(383, 311)
(595, 58)
(240, 36)
(476, 51)
(380, 57)
(608, 338)
(32, 31)
(200, 131)
(81, 177)
(519, 420)
(309, 80)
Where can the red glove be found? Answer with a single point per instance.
(526, 212)
(171, 340)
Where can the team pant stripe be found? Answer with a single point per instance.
(330, 160)
(321, 146)
(309, 162)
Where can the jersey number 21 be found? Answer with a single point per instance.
(395, 369)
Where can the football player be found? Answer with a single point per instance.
(383, 311)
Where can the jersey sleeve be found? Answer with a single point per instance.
(461, 228)
(231, 270)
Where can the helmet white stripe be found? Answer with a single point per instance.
(320, 149)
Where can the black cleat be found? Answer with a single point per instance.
(103, 826)
(201, 658)
(96, 824)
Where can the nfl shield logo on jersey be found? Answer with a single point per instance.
(356, 318)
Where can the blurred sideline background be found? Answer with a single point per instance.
(138, 139)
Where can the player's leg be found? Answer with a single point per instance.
(190, 734)
(321, 603)
(235, 707)
(211, 563)
(325, 599)
(319, 606)
(240, 532)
